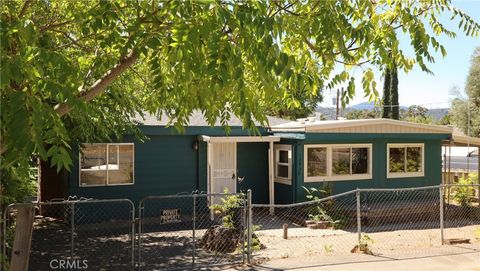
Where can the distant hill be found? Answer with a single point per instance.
(362, 106)
(329, 112)
(438, 113)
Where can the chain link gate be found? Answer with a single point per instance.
(181, 232)
(78, 234)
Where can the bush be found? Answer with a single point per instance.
(462, 194)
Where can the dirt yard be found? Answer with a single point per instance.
(328, 243)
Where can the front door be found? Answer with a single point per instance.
(223, 167)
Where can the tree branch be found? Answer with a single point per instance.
(24, 8)
(54, 25)
(73, 41)
(101, 84)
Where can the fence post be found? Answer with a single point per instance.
(359, 219)
(23, 238)
(194, 218)
(132, 211)
(140, 230)
(440, 192)
(250, 227)
(244, 226)
(72, 221)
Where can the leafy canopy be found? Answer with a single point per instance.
(76, 71)
(465, 111)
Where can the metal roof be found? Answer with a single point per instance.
(198, 119)
(360, 126)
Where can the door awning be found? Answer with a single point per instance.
(213, 139)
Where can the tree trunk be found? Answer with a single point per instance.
(23, 239)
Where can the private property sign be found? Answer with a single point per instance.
(170, 216)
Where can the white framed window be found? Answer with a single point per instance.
(102, 164)
(337, 162)
(405, 160)
(283, 163)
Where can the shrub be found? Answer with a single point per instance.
(462, 193)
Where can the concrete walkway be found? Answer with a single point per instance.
(460, 262)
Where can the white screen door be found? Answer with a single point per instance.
(224, 167)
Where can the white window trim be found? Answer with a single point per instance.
(283, 147)
(118, 162)
(330, 176)
(391, 175)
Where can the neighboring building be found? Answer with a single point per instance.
(275, 164)
(460, 159)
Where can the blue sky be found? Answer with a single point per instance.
(432, 91)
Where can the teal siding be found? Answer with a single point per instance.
(433, 162)
(164, 165)
(283, 193)
(252, 165)
(167, 164)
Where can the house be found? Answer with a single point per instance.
(275, 163)
(347, 154)
(176, 163)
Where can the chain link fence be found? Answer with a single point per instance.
(191, 231)
(76, 234)
(197, 231)
(316, 228)
(367, 225)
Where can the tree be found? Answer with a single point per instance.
(416, 113)
(387, 96)
(391, 106)
(467, 108)
(77, 71)
(306, 104)
(363, 114)
(395, 105)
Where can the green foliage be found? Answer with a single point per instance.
(395, 109)
(476, 233)
(363, 114)
(463, 193)
(387, 95)
(390, 104)
(255, 245)
(16, 186)
(445, 120)
(307, 104)
(321, 215)
(316, 212)
(313, 193)
(328, 248)
(245, 58)
(365, 242)
(465, 109)
(229, 208)
(416, 113)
